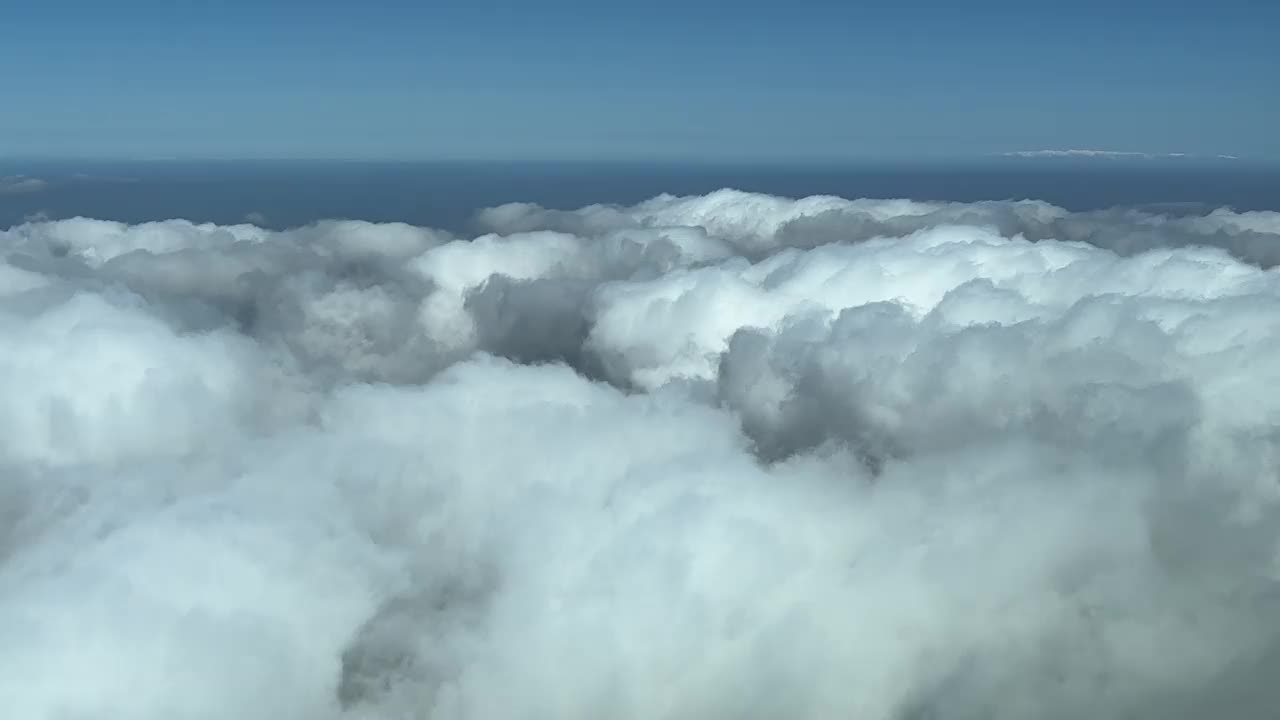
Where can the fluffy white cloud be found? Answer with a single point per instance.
(723, 456)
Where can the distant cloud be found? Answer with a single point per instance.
(1107, 154)
(18, 184)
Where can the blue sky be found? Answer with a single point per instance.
(572, 79)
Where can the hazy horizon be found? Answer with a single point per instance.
(447, 194)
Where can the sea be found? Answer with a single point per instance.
(289, 193)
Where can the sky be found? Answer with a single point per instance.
(664, 79)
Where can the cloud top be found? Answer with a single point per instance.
(730, 455)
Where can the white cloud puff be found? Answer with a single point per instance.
(730, 456)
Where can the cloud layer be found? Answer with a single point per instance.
(731, 456)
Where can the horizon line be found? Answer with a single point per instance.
(627, 160)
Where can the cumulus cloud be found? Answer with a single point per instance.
(730, 456)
